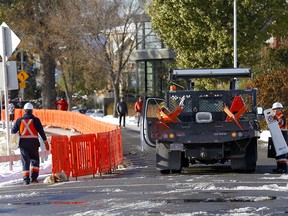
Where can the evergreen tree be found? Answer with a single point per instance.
(201, 32)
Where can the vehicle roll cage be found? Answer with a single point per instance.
(188, 74)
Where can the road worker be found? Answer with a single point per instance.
(138, 108)
(28, 126)
(279, 116)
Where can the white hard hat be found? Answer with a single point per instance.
(28, 106)
(277, 105)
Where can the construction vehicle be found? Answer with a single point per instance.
(208, 127)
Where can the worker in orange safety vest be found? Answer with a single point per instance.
(28, 127)
(279, 116)
(138, 109)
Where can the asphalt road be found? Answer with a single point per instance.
(139, 189)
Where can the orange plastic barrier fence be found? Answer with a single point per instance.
(82, 154)
(86, 154)
(67, 119)
(60, 154)
(104, 150)
(98, 150)
(117, 137)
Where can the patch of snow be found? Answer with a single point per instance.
(265, 135)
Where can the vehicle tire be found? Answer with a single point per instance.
(176, 171)
(248, 162)
(165, 172)
(185, 162)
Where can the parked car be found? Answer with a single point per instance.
(90, 111)
(80, 110)
(98, 113)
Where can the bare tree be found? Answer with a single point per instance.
(108, 30)
(31, 21)
(71, 58)
(74, 35)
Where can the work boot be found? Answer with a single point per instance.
(279, 170)
(35, 181)
(26, 182)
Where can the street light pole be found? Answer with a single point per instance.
(235, 41)
(235, 34)
(22, 68)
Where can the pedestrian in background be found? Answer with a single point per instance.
(20, 103)
(138, 109)
(279, 116)
(122, 111)
(61, 104)
(28, 127)
(11, 110)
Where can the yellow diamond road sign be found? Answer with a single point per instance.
(22, 75)
(22, 84)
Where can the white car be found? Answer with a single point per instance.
(99, 113)
(95, 112)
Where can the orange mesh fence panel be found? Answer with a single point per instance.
(97, 156)
(118, 143)
(3, 115)
(88, 154)
(53, 115)
(60, 154)
(71, 120)
(43, 115)
(103, 142)
(112, 149)
(63, 118)
(82, 154)
(18, 113)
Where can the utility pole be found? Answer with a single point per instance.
(22, 68)
(235, 42)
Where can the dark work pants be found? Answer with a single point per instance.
(281, 160)
(120, 119)
(30, 156)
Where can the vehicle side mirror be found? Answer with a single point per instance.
(260, 112)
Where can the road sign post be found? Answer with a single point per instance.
(8, 42)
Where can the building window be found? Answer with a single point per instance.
(151, 77)
(141, 77)
(147, 39)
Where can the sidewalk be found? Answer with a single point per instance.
(131, 127)
(60, 131)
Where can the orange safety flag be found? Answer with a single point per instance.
(166, 116)
(232, 116)
(238, 108)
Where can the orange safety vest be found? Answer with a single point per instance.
(27, 129)
(281, 121)
(138, 106)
